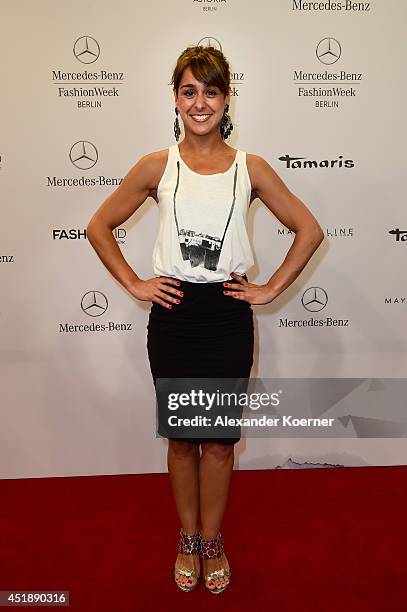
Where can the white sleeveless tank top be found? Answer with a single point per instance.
(202, 235)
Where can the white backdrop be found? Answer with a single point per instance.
(85, 93)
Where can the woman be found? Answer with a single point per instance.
(201, 320)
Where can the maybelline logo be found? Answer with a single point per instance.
(330, 5)
(400, 235)
(94, 304)
(395, 300)
(86, 50)
(297, 162)
(83, 155)
(314, 299)
(80, 234)
(330, 232)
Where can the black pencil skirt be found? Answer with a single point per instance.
(207, 335)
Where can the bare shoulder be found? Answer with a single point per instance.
(256, 166)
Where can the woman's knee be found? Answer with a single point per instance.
(182, 448)
(217, 451)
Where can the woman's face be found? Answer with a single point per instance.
(195, 99)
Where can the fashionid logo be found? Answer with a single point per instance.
(314, 299)
(88, 88)
(83, 155)
(304, 162)
(80, 234)
(94, 304)
(399, 235)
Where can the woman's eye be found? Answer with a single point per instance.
(211, 92)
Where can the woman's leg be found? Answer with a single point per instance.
(215, 471)
(183, 468)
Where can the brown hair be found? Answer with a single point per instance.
(207, 64)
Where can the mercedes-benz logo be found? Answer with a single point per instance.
(328, 50)
(94, 303)
(86, 49)
(314, 299)
(209, 41)
(83, 154)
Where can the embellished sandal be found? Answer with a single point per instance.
(213, 549)
(188, 545)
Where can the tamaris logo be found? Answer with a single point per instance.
(400, 235)
(304, 162)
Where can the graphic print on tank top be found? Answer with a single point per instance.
(201, 232)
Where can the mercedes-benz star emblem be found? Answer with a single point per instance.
(314, 299)
(209, 41)
(86, 50)
(94, 303)
(328, 50)
(83, 154)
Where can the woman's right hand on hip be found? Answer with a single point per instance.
(153, 290)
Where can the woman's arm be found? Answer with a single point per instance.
(292, 213)
(115, 210)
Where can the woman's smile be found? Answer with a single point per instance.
(200, 118)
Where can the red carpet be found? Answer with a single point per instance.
(297, 540)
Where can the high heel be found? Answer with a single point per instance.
(188, 545)
(213, 549)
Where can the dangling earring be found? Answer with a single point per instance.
(177, 130)
(226, 125)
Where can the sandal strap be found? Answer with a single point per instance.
(212, 549)
(189, 573)
(189, 544)
(216, 574)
